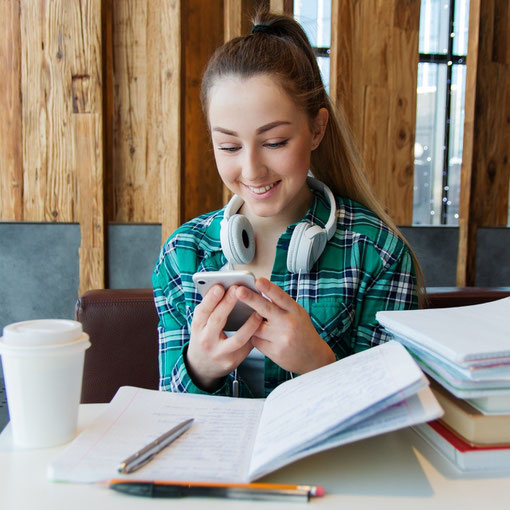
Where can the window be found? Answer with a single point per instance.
(440, 111)
(315, 17)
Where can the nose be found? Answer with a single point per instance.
(254, 165)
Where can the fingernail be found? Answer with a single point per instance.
(263, 284)
(217, 290)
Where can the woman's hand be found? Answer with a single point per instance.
(211, 355)
(287, 335)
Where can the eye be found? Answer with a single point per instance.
(229, 149)
(276, 145)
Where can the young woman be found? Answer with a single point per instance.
(327, 256)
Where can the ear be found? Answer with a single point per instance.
(319, 127)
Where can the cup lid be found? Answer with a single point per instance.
(42, 332)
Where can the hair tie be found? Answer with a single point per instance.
(265, 29)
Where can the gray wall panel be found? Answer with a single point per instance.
(132, 253)
(493, 257)
(39, 271)
(436, 249)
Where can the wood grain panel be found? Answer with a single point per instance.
(203, 31)
(374, 62)
(61, 75)
(87, 135)
(376, 107)
(403, 50)
(129, 172)
(88, 141)
(164, 138)
(36, 91)
(11, 162)
(485, 167)
(342, 58)
(282, 6)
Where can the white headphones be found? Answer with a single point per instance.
(306, 244)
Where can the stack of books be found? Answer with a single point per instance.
(466, 353)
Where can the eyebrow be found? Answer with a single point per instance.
(259, 131)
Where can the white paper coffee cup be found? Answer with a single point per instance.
(43, 370)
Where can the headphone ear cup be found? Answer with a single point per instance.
(300, 249)
(237, 240)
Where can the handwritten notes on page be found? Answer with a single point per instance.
(216, 448)
(335, 396)
(419, 408)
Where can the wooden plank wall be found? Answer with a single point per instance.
(51, 162)
(101, 120)
(374, 63)
(11, 159)
(485, 171)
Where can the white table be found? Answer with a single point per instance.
(393, 471)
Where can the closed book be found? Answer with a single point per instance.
(465, 457)
(474, 426)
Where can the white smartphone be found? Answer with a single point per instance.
(241, 311)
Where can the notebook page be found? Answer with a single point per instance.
(419, 408)
(217, 447)
(321, 402)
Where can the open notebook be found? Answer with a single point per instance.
(239, 440)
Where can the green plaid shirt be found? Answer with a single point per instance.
(364, 268)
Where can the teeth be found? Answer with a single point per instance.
(261, 190)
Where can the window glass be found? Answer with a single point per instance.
(456, 139)
(429, 144)
(461, 26)
(434, 16)
(315, 17)
(324, 67)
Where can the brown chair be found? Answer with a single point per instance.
(122, 325)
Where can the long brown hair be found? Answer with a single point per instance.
(280, 48)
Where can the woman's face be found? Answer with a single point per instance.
(262, 145)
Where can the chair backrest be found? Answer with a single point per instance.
(447, 297)
(122, 325)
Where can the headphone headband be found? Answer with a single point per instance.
(330, 226)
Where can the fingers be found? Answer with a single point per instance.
(275, 302)
(204, 309)
(264, 346)
(244, 333)
(212, 313)
(277, 295)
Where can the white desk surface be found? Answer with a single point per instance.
(394, 471)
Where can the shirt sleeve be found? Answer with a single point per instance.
(393, 288)
(173, 326)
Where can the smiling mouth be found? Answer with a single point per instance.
(262, 189)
